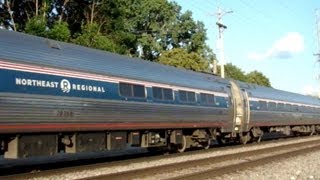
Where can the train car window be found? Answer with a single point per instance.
(139, 91)
(162, 93)
(183, 96)
(288, 107)
(222, 101)
(263, 105)
(132, 90)
(167, 94)
(314, 109)
(302, 109)
(126, 90)
(295, 108)
(203, 98)
(187, 96)
(226, 100)
(207, 98)
(157, 93)
(309, 109)
(254, 105)
(210, 99)
(272, 106)
(191, 96)
(280, 107)
(306, 109)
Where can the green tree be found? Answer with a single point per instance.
(232, 71)
(153, 26)
(36, 26)
(256, 77)
(148, 21)
(91, 37)
(188, 34)
(59, 32)
(182, 59)
(24, 11)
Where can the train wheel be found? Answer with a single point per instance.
(245, 138)
(206, 145)
(313, 130)
(182, 147)
(221, 140)
(297, 134)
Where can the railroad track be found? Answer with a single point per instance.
(219, 165)
(191, 165)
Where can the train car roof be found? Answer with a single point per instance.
(276, 94)
(35, 50)
(24, 48)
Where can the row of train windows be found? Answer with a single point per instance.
(163, 94)
(272, 106)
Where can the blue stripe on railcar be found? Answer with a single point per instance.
(12, 81)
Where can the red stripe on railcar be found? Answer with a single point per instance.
(19, 128)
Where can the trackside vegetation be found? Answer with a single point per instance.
(154, 30)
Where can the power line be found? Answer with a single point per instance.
(257, 10)
(285, 6)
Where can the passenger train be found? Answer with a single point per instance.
(57, 97)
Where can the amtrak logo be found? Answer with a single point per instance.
(65, 86)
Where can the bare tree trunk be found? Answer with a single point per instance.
(37, 6)
(92, 12)
(28, 16)
(44, 9)
(11, 17)
(62, 11)
(101, 24)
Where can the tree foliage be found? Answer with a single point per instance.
(59, 32)
(182, 59)
(36, 26)
(91, 37)
(256, 77)
(154, 30)
(143, 28)
(233, 72)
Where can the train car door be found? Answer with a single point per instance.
(241, 109)
(246, 125)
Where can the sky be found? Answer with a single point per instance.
(275, 37)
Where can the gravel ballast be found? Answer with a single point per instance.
(288, 169)
(299, 167)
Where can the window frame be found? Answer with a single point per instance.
(206, 95)
(163, 97)
(263, 105)
(132, 90)
(187, 93)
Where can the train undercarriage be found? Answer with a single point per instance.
(177, 140)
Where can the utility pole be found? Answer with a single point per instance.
(317, 54)
(221, 27)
